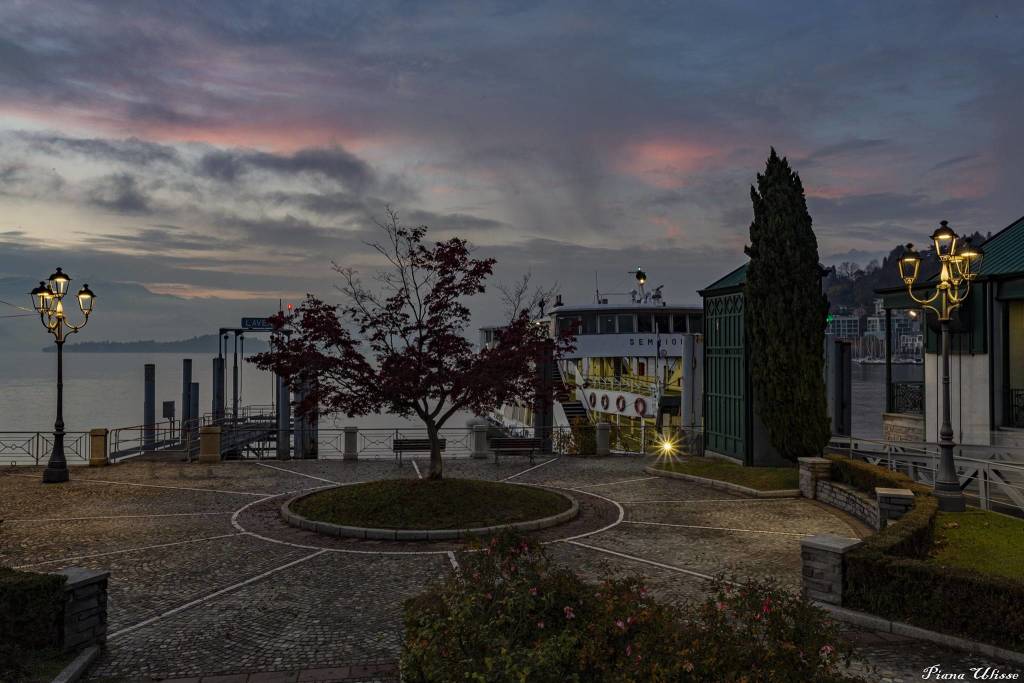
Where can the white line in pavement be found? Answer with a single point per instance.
(720, 528)
(612, 483)
(622, 515)
(417, 468)
(132, 550)
(205, 598)
(644, 560)
(300, 474)
(712, 500)
(84, 519)
(455, 563)
(152, 486)
(530, 469)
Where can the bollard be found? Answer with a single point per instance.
(98, 447)
(479, 441)
(149, 406)
(209, 445)
(186, 390)
(351, 451)
(604, 431)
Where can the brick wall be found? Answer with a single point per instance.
(903, 427)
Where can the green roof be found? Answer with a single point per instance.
(734, 279)
(1004, 252)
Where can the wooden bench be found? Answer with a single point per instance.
(400, 446)
(515, 445)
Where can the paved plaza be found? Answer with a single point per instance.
(207, 583)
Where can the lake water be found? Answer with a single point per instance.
(106, 390)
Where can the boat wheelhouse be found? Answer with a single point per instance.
(637, 365)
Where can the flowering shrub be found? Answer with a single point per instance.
(511, 616)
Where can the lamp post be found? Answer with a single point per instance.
(958, 261)
(48, 300)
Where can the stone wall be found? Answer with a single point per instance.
(85, 608)
(903, 427)
(822, 559)
(849, 500)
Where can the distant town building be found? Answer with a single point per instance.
(843, 325)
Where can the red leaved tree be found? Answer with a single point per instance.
(401, 345)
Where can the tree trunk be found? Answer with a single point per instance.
(435, 451)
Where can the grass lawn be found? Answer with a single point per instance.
(426, 504)
(986, 542)
(42, 666)
(760, 478)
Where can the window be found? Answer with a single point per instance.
(697, 324)
(625, 324)
(607, 324)
(641, 368)
(661, 324)
(567, 326)
(589, 324)
(678, 323)
(643, 323)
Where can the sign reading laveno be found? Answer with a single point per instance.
(257, 324)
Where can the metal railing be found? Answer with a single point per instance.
(907, 397)
(33, 448)
(992, 477)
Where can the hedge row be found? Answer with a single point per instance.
(30, 608)
(887, 574)
(865, 476)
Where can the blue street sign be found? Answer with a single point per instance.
(261, 324)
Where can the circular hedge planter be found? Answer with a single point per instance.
(333, 528)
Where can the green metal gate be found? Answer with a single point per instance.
(725, 375)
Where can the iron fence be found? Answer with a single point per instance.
(992, 477)
(33, 448)
(907, 397)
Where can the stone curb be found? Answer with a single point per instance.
(898, 628)
(329, 529)
(724, 485)
(74, 671)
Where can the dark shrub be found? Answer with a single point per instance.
(31, 606)
(866, 477)
(510, 616)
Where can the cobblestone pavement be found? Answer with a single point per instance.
(208, 584)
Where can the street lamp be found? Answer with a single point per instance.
(48, 300)
(958, 262)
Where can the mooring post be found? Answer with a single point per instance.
(193, 410)
(218, 388)
(149, 406)
(186, 402)
(283, 419)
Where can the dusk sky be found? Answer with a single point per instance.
(227, 152)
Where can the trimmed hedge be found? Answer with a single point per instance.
(865, 477)
(31, 608)
(886, 574)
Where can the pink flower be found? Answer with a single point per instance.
(540, 624)
(533, 591)
(621, 624)
(569, 614)
(720, 606)
(826, 651)
(629, 650)
(488, 596)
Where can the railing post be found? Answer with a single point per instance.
(351, 451)
(98, 447)
(209, 445)
(603, 438)
(479, 441)
(983, 488)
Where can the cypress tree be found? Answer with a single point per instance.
(786, 314)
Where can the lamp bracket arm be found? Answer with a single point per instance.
(923, 302)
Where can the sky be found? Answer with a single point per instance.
(195, 162)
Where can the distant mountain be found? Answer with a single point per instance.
(206, 343)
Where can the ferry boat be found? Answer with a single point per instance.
(637, 364)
